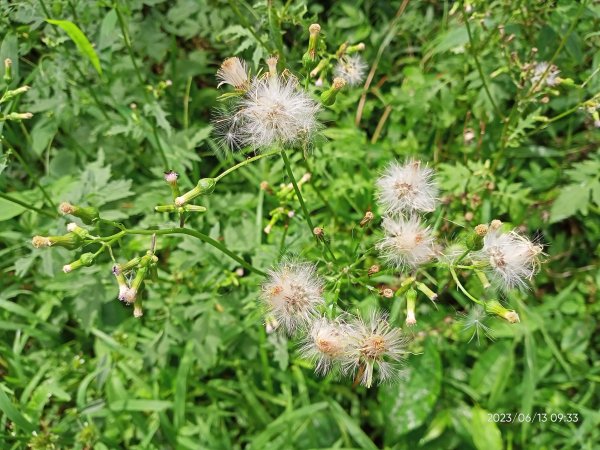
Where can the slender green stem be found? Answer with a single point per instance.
(288, 168)
(462, 288)
(198, 235)
(245, 162)
(26, 205)
(558, 117)
(478, 65)
(186, 103)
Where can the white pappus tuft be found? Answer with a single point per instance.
(273, 111)
(374, 350)
(292, 294)
(234, 72)
(325, 344)
(351, 69)
(408, 187)
(549, 72)
(512, 259)
(406, 242)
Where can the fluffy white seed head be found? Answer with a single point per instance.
(274, 111)
(292, 293)
(67, 268)
(71, 226)
(326, 344)
(406, 242)
(551, 78)
(375, 349)
(234, 72)
(512, 259)
(352, 69)
(407, 187)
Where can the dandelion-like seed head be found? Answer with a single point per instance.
(407, 187)
(292, 294)
(375, 349)
(233, 71)
(274, 111)
(325, 344)
(67, 268)
(551, 74)
(513, 259)
(406, 242)
(352, 69)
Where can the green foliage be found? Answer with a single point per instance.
(199, 369)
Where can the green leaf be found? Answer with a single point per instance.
(140, 405)
(348, 423)
(82, 42)
(486, 435)
(572, 198)
(13, 413)
(492, 369)
(407, 404)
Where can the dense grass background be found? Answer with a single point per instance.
(198, 370)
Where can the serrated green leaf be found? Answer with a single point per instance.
(572, 199)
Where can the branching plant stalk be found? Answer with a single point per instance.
(288, 168)
(478, 65)
(245, 162)
(189, 232)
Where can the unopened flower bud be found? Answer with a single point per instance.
(319, 232)
(495, 307)
(85, 260)
(305, 179)
(355, 48)
(311, 54)
(171, 177)
(474, 240)
(428, 292)
(7, 70)
(129, 265)
(88, 214)
(328, 97)
(322, 64)
(271, 324)
(204, 187)
(81, 232)
(137, 309)
(272, 64)
(411, 297)
(165, 208)
(485, 283)
(405, 285)
(194, 208)
(495, 225)
(70, 241)
(366, 219)
(373, 269)
(18, 116)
